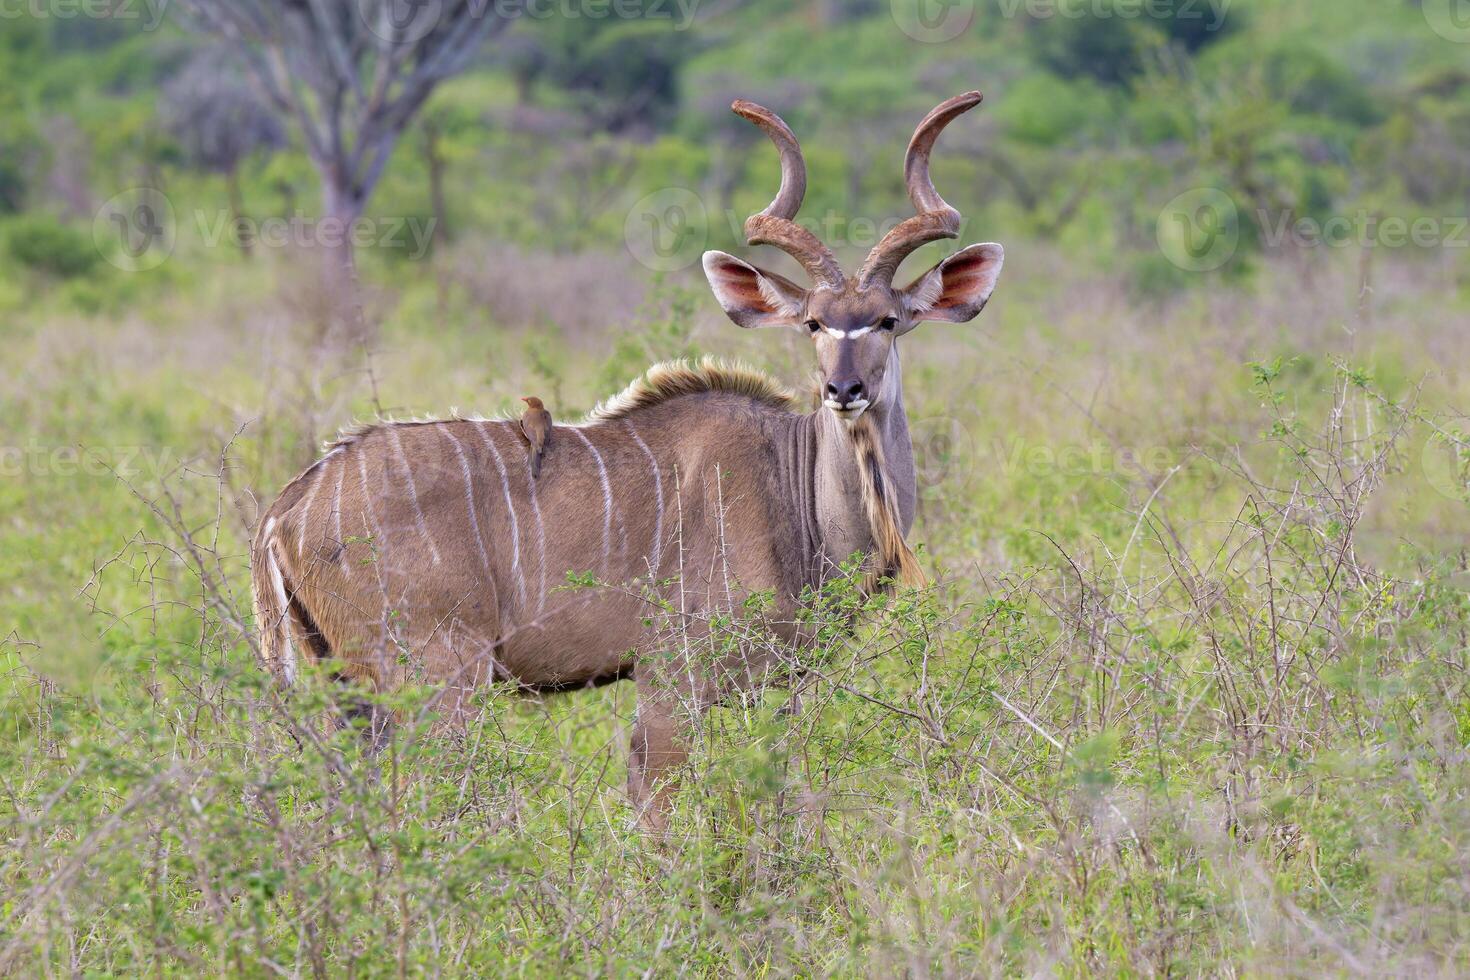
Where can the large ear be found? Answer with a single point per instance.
(753, 297)
(957, 289)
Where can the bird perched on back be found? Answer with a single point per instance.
(536, 427)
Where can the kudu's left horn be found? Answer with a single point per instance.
(935, 218)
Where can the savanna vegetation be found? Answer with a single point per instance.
(1187, 695)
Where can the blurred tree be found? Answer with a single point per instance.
(20, 153)
(352, 75)
(1103, 46)
(22, 49)
(42, 243)
(625, 74)
(1111, 41)
(220, 122)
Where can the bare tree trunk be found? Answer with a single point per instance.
(342, 209)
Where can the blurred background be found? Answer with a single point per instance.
(593, 138)
(1193, 487)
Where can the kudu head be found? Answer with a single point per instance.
(855, 322)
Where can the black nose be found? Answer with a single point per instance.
(845, 392)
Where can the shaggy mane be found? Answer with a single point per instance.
(674, 379)
(662, 382)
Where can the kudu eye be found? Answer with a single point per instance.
(813, 326)
(888, 323)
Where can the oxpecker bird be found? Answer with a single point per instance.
(536, 427)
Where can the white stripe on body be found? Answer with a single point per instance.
(469, 494)
(540, 536)
(307, 503)
(337, 522)
(278, 586)
(413, 494)
(658, 490)
(606, 499)
(515, 529)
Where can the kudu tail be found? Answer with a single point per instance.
(272, 602)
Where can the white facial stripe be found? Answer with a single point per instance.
(413, 494)
(847, 334)
(510, 508)
(469, 495)
(658, 491)
(606, 499)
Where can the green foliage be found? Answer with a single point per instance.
(20, 155)
(1107, 48)
(45, 244)
(1114, 41)
(624, 72)
(1048, 111)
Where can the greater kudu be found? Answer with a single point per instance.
(427, 549)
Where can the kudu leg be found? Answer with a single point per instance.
(660, 742)
(657, 748)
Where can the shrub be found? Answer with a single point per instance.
(43, 243)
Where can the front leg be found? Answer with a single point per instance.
(659, 746)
